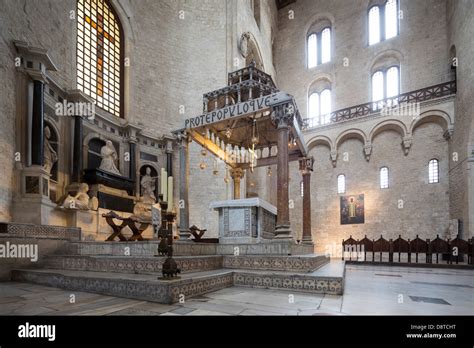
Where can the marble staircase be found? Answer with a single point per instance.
(103, 268)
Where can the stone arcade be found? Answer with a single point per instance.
(242, 146)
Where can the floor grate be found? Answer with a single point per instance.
(429, 300)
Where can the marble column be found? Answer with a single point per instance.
(282, 117)
(183, 141)
(169, 157)
(37, 124)
(306, 167)
(133, 160)
(77, 158)
(237, 174)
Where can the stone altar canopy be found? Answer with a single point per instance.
(245, 220)
(242, 124)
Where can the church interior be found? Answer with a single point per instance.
(236, 157)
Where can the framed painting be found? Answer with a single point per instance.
(352, 209)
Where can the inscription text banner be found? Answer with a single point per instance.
(237, 110)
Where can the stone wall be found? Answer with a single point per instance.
(425, 209)
(420, 47)
(460, 33)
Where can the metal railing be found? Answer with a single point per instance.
(366, 109)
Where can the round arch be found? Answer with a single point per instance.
(435, 116)
(352, 133)
(320, 140)
(388, 125)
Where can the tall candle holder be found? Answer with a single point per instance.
(170, 268)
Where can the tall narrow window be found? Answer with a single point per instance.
(433, 171)
(326, 45)
(325, 106)
(341, 184)
(301, 188)
(391, 19)
(99, 60)
(385, 87)
(314, 107)
(374, 25)
(377, 86)
(393, 83)
(312, 51)
(383, 177)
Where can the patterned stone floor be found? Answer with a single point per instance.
(369, 290)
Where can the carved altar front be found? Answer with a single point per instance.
(245, 220)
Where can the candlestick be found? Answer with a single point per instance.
(164, 182)
(170, 193)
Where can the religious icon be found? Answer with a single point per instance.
(352, 209)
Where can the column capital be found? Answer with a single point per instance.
(236, 173)
(183, 138)
(306, 165)
(282, 115)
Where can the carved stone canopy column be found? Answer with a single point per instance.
(237, 174)
(282, 117)
(306, 167)
(183, 142)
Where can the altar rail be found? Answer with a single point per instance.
(451, 249)
(362, 110)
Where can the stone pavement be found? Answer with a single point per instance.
(369, 290)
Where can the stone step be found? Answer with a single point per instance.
(328, 279)
(130, 264)
(139, 248)
(141, 264)
(145, 287)
(300, 264)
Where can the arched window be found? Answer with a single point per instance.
(383, 177)
(319, 107)
(326, 106)
(433, 171)
(312, 51)
(374, 25)
(313, 111)
(385, 87)
(99, 54)
(391, 19)
(341, 183)
(383, 22)
(319, 47)
(326, 45)
(393, 83)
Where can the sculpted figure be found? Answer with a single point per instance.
(81, 201)
(50, 157)
(148, 185)
(109, 157)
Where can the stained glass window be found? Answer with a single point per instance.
(99, 61)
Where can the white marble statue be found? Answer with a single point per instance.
(109, 158)
(148, 187)
(81, 200)
(50, 157)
